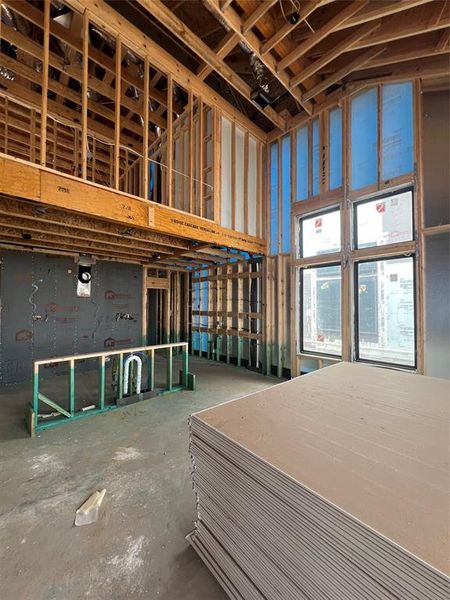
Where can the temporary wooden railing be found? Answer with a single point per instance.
(38, 422)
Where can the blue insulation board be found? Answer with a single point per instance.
(274, 198)
(397, 152)
(335, 149)
(302, 164)
(286, 194)
(364, 139)
(315, 157)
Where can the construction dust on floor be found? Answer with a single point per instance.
(140, 455)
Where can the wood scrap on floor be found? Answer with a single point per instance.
(88, 511)
(330, 486)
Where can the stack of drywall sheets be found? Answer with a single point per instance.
(334, 485)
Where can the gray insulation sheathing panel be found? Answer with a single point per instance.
(33, 284)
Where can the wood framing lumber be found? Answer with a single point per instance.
(234, 22)
(339, 49)
(163, 13)
(321, 33)
(24, 180)
(306, 9)
(351, 65)
(113, 22)
(259, 12)
(227, 44)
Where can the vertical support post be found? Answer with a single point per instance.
(117, 98)
(233, 176)
(169, 373)
(151, 371)
(120, 382)
(246, 174)
(32, 130)
(101, 383)
(84, 98)
(94, 159)
(185, 359)
(44, 91)
(240, 309)
(201, 154)
(72, 386)
(36, 390)
(191, 152)
(347, 264)
(6, 124)
(166, 314)
(169, 139)
(144, 192)
(144, 305)
(217, 164)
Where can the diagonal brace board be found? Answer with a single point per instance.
(54, 405)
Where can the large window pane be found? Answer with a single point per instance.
(320, 293)
(320, 234)
(385, 315)
(384, 221)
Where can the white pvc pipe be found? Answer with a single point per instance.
(126, 373)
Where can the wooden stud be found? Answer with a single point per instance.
(246, 176)
(233, 175)
(217, 173)
(145, 162)
(117, 117)
(169, 141)
(44, 92)
(85, 96)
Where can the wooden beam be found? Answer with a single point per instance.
(376, 10)
(85, 96)
(322, 32)
(360, 60)
(87, 225)
(145, 163)
(400, 26)
(444, 41)
(112, 22)
(230, 41)
(24, 180)
(234, 22)
(117, 84)
(436, 66)
(44, 90)
(163, 13)
(169, 141)
(259, 12)
(339, 49)
(306, 9)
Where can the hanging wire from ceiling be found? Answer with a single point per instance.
(296, 6)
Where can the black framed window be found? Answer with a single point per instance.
(320, 310)
(385, 330)
(384, 220)
(320, 234)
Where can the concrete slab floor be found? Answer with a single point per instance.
(139, 453)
